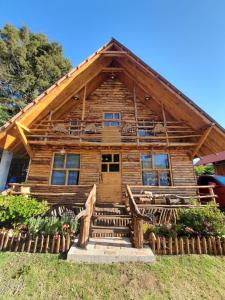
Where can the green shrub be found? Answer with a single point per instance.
(52, 225)
(204, 170)
(200, 221)
(208, 220)
(15, 210)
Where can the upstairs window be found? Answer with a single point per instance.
(113, 119)
(155, 169)
(65, 169)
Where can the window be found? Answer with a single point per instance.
(155, 169)
(145, 132)
(114, 119)
(65, 169)
(110, 163)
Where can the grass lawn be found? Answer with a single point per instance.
(38, 276)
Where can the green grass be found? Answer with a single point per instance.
(39, 276)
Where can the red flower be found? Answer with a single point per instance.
(189, 230)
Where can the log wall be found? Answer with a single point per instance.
(110, 96)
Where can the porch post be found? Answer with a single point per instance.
(4, 168)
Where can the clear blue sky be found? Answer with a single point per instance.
(184, 40)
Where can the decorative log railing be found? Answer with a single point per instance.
(159, 133)
(85, 219)
(53, 194)
(143, 207)
(137, 221)
(169, 195)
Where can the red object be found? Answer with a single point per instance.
(219, 187)
(212, 158)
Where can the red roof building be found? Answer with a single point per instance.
(218, 160)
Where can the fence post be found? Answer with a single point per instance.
(204, 245)
(138, 233)
(152, 241)
(170, 246)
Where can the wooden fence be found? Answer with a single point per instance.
(35, 244)
(180, 246)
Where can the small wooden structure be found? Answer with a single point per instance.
(218, 161)
(110, 123)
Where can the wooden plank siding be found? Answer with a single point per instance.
(40, 168)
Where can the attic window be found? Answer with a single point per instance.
(111, 119)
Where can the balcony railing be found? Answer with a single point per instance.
(122, 132)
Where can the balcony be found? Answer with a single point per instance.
(108, 132)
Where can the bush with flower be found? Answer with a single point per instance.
(199, 221)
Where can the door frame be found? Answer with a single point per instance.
(102, 152)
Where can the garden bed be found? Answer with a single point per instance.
(27, 225)
(211, 245)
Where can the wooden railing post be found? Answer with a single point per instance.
(138, 233)
(138, 220)
(211, 191)
(85, 217)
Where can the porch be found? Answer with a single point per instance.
(149, 204)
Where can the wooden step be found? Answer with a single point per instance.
(112, 217)
(111, 220)
(109, 231)
(110, 209)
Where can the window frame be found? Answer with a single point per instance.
(111, 120)
(157, 170)
(64, 169)
(112, 162)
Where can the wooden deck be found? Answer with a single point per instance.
(93, 132)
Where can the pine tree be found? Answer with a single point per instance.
(29, 64)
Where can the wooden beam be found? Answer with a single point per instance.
(24, 139)
(202, 140)
(24, 127)
(165, 124)
(135, 109)
(111, 69)
(84, 103)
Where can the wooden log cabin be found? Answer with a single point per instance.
(112, 121)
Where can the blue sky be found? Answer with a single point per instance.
(182, 40)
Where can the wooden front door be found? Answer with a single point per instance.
(109, 189)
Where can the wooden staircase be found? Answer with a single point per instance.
(110, 220)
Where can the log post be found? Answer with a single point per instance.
(138, 233)
(84, 232)
(170, 246)
(152, 241)
(211, 191)
(204, 245)
(4, 168)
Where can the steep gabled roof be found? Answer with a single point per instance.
(147, 80)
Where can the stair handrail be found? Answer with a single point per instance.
(85, 217)
(137, 219)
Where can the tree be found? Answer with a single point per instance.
(204, 170)
(29, 64)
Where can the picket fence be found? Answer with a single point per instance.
(179, 246)
(35, 243)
